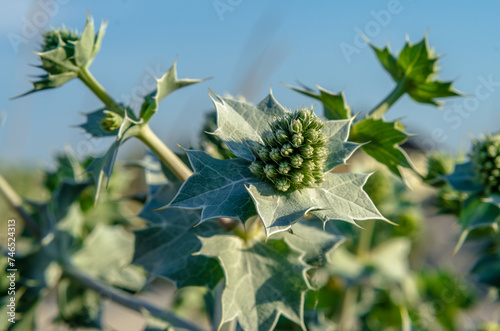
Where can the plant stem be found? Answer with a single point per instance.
(384, 105)
(351, 293)
(346, 313)
(148, 137)
(126, 299)
(16, 202)
(365, 239)
(89, 80)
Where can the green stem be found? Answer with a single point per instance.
(126, 299)
(172, 161)
(385, 104)
(365, 239)
(16, 203)
(346, 314)
(89, 80)
(349, 302)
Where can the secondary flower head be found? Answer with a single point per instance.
(293, 154)
(485, 157)
(112, 121)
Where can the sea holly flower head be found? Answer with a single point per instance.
(59, 37)
(291, 156)
(281, 171)
(485, 156)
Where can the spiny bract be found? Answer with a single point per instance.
(51, 38)
(293, 155)
(486, 158)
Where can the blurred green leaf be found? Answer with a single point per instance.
(107, 254)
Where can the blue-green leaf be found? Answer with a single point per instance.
(240, 124)
(217, 187)
(263, 281)
(166, 246)
(340, 197)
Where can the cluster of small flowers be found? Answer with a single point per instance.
(293, 155)
(486, 157)
(51, 38)
(112, 121)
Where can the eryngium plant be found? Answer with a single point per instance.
(293, 154)
(485, 156)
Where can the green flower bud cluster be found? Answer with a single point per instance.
(52, 38)
(293, 155)
(485, 156)
(112, 121)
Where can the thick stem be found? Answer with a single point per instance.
(126, 299)
(16, 202)
(385, 104)
(172, 161)
(89, 80)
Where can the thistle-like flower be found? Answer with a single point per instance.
(485, 156)
(293, 155)
(281, 169)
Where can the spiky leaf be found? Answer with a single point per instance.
(383, 142)
(263, 281)
(166, 246)
(240, 124)
(339, 197)
(164, 86)
(217, 187)
(334, 105)
(416, 68)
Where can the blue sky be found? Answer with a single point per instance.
(246, 46)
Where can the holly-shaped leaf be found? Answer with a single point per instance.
(339, 197)
(166, 246)
(415, 69)
(383, 142)
(164, 86)
(263, 281)
(334, 105)
(240, 125)
(217, 187)
(315, 238)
